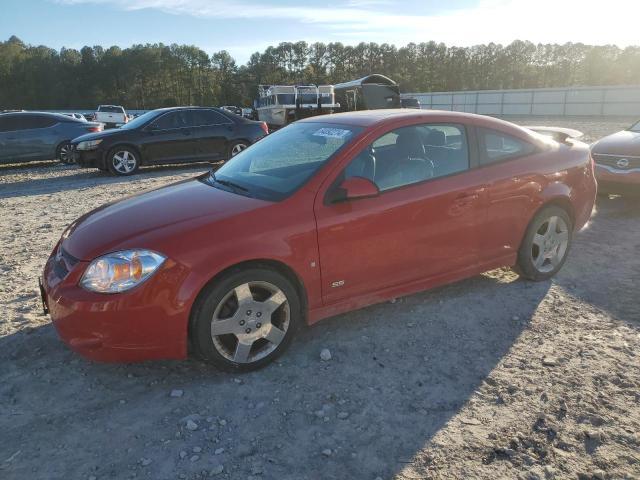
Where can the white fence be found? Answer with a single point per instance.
(572, 101)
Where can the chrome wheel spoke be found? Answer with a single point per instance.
(562, 237)
(538, 240)
(226, 326)
(273, 302)
(243, 293)
(553, 223)
(242, 351)
(274, 335)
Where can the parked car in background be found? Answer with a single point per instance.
(29, 136)
(168, 135)
(617, 159)
(324, 216)
(409, 103)
(249, 113)
(77, 116)
(233, 109)
(111, 115)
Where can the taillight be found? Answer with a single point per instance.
(94, 129)
(264, 127)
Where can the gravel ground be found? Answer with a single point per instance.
(489, 378)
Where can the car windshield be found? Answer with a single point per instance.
(635, 128)
(141, 120)
(282, 162)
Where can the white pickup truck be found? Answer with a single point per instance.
(111, 115)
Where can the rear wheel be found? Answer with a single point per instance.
(236, 147)
(64, 153)
(123, 161)
(546, 244)
(245, 320)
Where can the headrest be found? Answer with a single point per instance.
(436, 138)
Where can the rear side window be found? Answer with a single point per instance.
(207, 117)
(171, 120)
(412, 154)
(497, 146)
(110, 109)
(26, 122)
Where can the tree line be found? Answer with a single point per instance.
(157, 75)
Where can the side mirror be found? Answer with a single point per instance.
(354, 188)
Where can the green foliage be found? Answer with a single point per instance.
(157, 75)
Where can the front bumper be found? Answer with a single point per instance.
(613, 180)
(89, 158)
(148, 322)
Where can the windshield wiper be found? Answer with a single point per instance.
(228, 183)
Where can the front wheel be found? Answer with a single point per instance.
(546, 244)
(123, 161)
(245, 320)
(64, 153)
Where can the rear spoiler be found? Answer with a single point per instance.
(559, 134)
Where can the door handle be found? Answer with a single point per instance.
(467, 197)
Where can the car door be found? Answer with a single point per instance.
(169, 138)
(423, 224)
(8, 137)
(212, 131)
(40, 138)
(34, 137)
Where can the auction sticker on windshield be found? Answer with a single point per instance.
(332, 132)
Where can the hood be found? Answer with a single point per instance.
(624, 142)
(97, 135)
(155, 220)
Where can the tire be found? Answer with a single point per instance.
(544, 248)
(123, 161)
(236, 147)
(64, 153)
(245, 320)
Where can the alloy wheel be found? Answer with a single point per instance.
(237, 148)
(65, 154)
(250, 322)
(124, 161)
(550, 244)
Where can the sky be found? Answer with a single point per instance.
(246, 26)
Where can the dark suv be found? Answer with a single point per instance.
(168, 135)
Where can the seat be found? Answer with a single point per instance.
(410, 163)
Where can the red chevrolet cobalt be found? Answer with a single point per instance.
(324, 216)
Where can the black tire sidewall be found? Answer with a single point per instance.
(211, 296)
(525, 267)
(115, 150)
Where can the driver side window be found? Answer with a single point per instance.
(411, 155)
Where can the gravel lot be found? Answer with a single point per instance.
(489, 378)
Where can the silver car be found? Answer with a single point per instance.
(30, 136)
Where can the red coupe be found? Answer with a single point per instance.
(324, 216)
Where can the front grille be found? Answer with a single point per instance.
(63, 262)
(615, 160)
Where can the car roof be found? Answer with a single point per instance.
(45, 114)
(370, 118)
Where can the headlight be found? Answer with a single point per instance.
(89, 145)
(120, 271)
